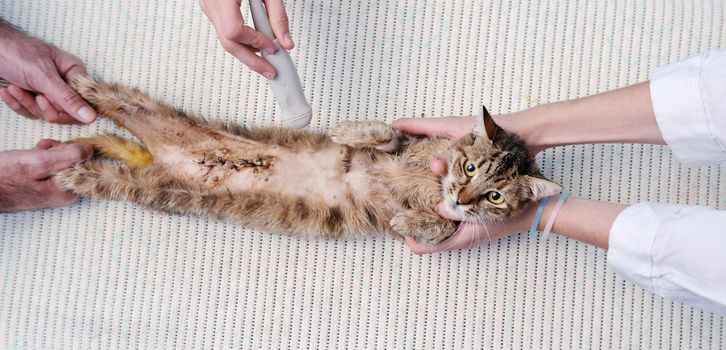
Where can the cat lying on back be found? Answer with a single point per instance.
(363, 178)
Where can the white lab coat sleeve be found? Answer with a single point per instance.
(675, 251)
(689, 101)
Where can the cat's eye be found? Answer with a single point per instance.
(495, 197)
(469, 168)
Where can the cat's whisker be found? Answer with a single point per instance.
(478, 238)
(472, 243)
(481, 221)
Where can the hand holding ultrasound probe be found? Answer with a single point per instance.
(272, 38)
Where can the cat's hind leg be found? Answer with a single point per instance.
(149, 187)
(100, 178)
(149, 119)
(366, 134)
(152, 188)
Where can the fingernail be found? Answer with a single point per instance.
(288, 40)
(42, 103)
(15, 92)
(269, 51)
(86, 114)
(268, 75)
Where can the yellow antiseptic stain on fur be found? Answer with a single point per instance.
(112, 146)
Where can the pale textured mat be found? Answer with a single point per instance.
(101, 274)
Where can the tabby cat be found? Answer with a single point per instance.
(363, 178)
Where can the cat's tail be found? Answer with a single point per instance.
(119, 148)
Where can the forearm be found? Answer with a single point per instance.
(582, 219)
(5, 25)
(620, 116)
(8, 34)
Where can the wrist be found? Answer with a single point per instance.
(582, 219)
(7, 30)
(550, 212)
(537, 126)
(8, 35)
(545, 213)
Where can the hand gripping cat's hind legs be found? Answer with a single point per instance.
(366, 134)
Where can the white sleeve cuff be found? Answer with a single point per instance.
(630, 245)
(674, 251)
(689, 101)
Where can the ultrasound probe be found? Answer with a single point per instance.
(286, 86)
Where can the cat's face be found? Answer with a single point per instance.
(492, 178)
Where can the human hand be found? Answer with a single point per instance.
(449, 127)
(469, 234)
(241, 40)
(26, 175)
(39, 73)
(458, 127)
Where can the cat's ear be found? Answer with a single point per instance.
(484, 124)
(542, 187)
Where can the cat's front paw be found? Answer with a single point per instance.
(368, 134)
(426, 227)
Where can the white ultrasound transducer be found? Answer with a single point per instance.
(286, 86)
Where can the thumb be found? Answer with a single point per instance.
(438, 166)
(421, 126)
(279, 22)
(69, 65)
(449, 127)
(61, 157)
(58, 91)
(46, 144)
(74, 73)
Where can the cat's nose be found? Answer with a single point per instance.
(464, 197)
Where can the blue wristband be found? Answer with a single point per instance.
(540, 209)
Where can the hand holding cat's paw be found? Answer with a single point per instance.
(426, 227)
(25, 176)
(38, 74)
(367, 134)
